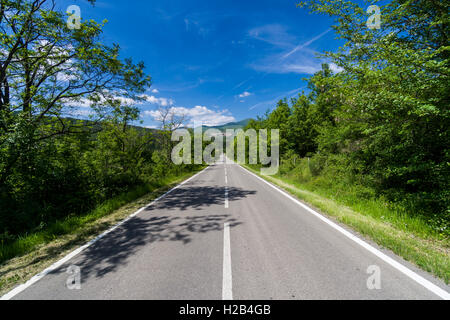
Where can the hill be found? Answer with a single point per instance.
(233, 125)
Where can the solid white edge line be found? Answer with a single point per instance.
(74, 253)
(227, 280)
(411, 274)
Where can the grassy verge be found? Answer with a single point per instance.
(406, 236)
(31, 254)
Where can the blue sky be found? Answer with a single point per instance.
(217, 61)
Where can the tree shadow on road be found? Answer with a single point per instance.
(114, 250)
(198, 197)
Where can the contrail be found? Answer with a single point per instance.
(306, 44)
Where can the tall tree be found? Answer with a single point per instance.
(48, 70)
(395, 85)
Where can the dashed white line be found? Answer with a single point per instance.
(226, 197)
(227, 282)
(226, 188)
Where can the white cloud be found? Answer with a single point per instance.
(66, 76)
(86, 103)
(155, 91)
(335, 68)
(84, 112)
(245, 94)
(201, 114)
(164, 102)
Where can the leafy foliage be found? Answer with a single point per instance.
(386, 114)
(52, 166)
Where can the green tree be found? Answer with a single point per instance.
(46, 70)
(395, 82)
(49, 163)
(301, 128)
(278, 119)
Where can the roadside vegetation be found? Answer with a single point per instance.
(33, 253)
(369, 143)
(388, 225)
(73, 224)
(59, 173)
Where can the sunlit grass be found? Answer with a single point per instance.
(27, 243)
(389, 226)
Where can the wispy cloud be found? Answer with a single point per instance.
(271, 102)
(183, 86)
(240, 84)
(200, 22)
(296, 59)
(274, 34)
(300, 66)
(306, 44)
(165, 15)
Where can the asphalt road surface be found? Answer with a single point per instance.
(226, 234)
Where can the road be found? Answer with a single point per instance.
(225, 234)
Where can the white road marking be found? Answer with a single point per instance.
(411, 274)
(226, 197)
(74, 253)
(227, 282)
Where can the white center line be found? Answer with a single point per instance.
(226, 188)
(227, 283)
(226, 174)
(226, 197)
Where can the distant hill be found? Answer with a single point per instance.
(232, 125)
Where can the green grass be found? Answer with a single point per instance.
(389, 226)
(27, 243)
